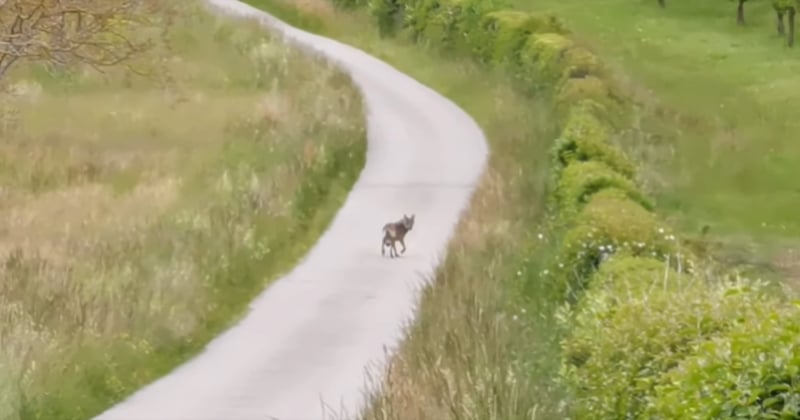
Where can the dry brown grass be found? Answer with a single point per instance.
(138, 215)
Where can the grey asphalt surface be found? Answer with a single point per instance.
(302, 350)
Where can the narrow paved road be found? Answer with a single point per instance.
(307, 339)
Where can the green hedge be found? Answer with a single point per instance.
(610, 223)
(586, 137)
(580, 180)
(751, 372)
(540, 60)
(501, 34)
(634, 325)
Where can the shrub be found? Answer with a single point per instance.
(580, 180)
(471, 35)
(416, 16)
(501, 34)
(634, 324)
(387, 13)
(585, 137)
(449, 23)
(752, 371)
(578, 62)
(609, 223)
(540, 58)
(573, 91)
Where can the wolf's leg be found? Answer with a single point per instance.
(402, 242)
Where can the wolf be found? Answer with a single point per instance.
(394, 232)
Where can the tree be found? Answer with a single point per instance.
(97, 33)
(740, 12)
(786, 8)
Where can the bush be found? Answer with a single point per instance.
(417, 15)
(471, 36)
(449, 23)
(585, 137)
(634, 324)
(573, 91)
(578, 62)
(610, 223)
(752, 371)
(387, 13)
(540, 59)
(502, 33)
(580, 180)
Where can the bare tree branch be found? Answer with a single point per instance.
(97, 33)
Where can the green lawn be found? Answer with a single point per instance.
(735, 89)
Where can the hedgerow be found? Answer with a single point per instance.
(752, 371)
(586, 137)
(635, 323)
(580, 180)
(610, 223)
(540, 57)
(502, 33)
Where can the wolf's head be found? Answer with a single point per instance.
(408, 222)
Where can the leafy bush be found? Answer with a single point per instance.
(635, 323)
(609, 223)
(448, 23)
(417, 15)
(580, 180)
(585, 137)
(752, 371)
(472, 39)
(573, 91)
(501, 34)
(387, 13)
(578, 62)
(540, 58)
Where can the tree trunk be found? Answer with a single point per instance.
(740, 13)
(662, 3)
(791, 27)
(779, 16)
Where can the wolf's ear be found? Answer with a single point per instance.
(412, 216)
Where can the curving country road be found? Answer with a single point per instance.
(302, 350)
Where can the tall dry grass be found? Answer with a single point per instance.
(138, 214)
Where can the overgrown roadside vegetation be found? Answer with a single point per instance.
(600, 310)
(144, 206)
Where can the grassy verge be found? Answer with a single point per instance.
(139, 215)
(716, 115)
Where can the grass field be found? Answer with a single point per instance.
(139, 215)
(719, 116)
